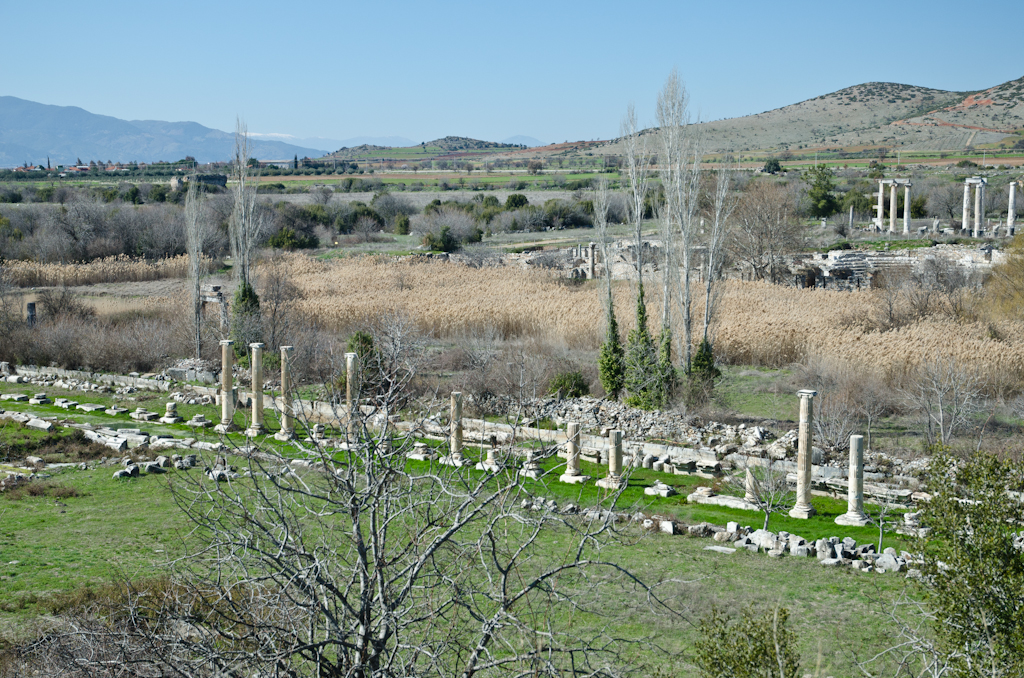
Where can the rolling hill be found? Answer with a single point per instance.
(874, 114)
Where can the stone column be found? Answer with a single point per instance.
(803, 508)
(256, 425)
(748, 486)
(881, 205)
(593, 267)
(287, 431)
(350, 393)
(892, 207)
(572, 445)
(978, 192)
(1011, 209)
(614, 481)
(490, 464)
(906, 209)
(964, 224)
(855, 495)
(227, 402)
(454, 457)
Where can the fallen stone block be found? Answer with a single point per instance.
(720, 549)
(40, 424)
(16, 397)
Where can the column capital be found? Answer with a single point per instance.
(227, 342)
(289, 349)
(257, 344)
(806, 393)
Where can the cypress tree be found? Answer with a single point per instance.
(642, 380)
(611, 363)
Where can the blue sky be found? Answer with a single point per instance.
(553, 70)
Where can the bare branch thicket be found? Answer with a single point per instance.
(722, 206)
(765, 486)
(947, 394)
(914, 651)
(278, 295)
(321, 195)
(765, 228)
(872, 399)
(247, 220)
(835, 412)
(367, 564)
(196, 230)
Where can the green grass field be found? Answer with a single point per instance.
(105, 530)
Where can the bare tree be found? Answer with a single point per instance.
(601, 200)
(764, 228)
(638, 167)
(680, 178)
(195, 241)
(722, 206)
(765, 486)
(947, 393)
(246, 222)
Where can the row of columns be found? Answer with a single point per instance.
(978, 185)
(229, 393)
(880, 209)
(614, 480)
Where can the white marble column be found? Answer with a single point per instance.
(803, 508)
(572, 446)
(978, 193)
(854, 515)
(614, 481)
(287, 431)
(964, 223)
(455, 457)
(906, 209)
(892, 207)
(351, 400)
(881, 206)
(592, 262)
(256, 425)
(1011, 215)
(227, 403)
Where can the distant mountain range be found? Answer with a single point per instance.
(31, 132)
(334, 144)
(520, 139)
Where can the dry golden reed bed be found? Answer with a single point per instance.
(759, 323)
(121, 268)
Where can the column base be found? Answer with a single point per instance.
(573, 479)
(852, 520)
(457, 462)
(531, 473)
(421, 456)
(611, 483)
(490, 468)
(170, 420)
(803, 512)
(224, 428)
(285, 435)
(254, 431)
